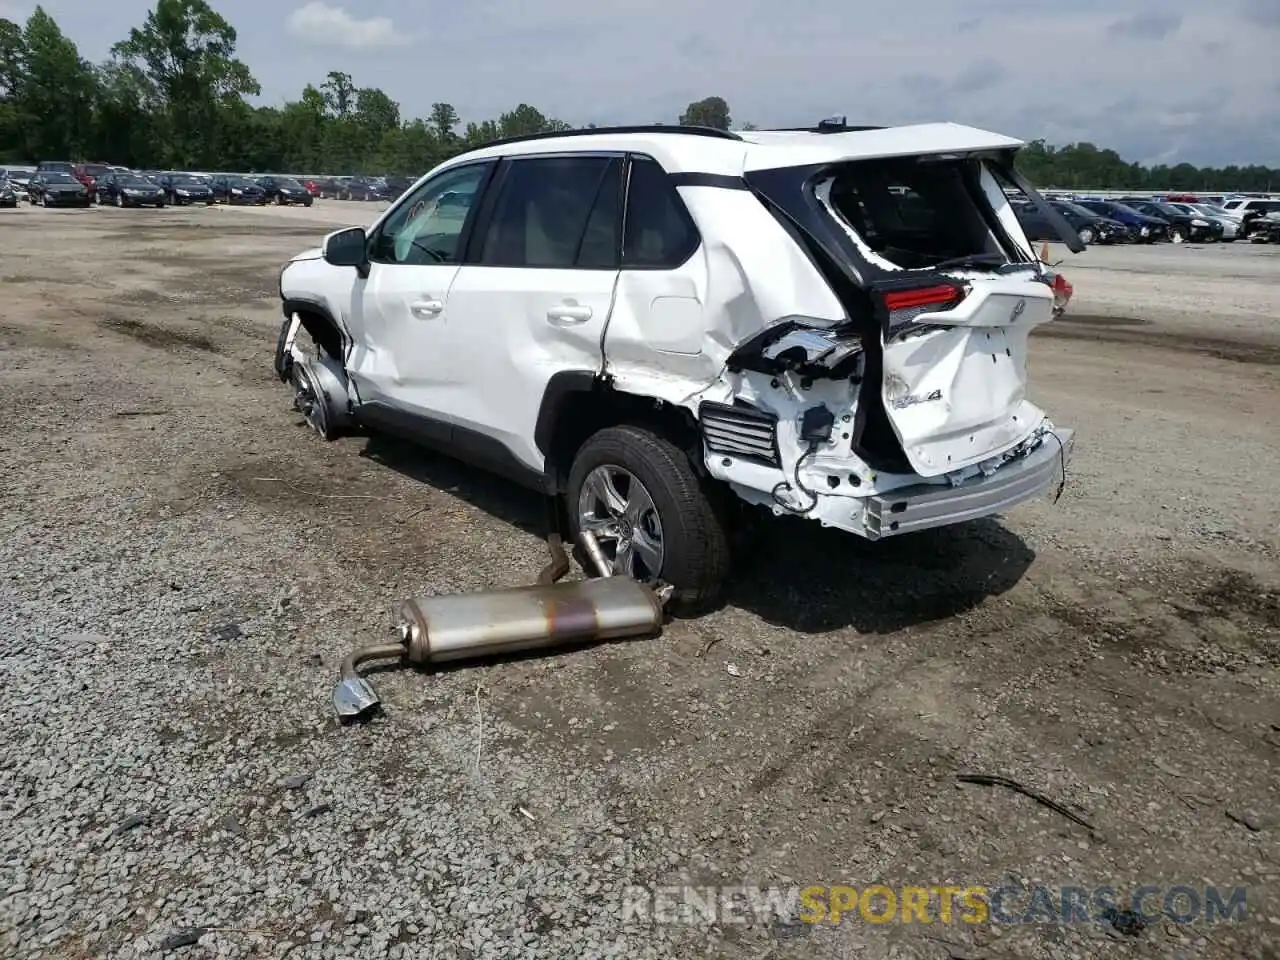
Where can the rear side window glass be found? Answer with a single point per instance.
(659, 233)
(547, 214)
(912, 214)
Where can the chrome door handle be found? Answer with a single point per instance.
(569, 313)
(425, 309)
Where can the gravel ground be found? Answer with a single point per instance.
(182, 567)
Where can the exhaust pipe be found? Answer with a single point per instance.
(439, 629)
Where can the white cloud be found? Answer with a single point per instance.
(318, 23)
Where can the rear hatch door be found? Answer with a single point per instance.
(939, 277)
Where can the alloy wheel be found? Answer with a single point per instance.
(617, 508)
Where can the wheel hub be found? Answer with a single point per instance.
(307, 402)
(617, 508)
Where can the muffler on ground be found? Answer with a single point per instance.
(468, 626)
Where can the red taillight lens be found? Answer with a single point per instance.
(921, 297)
(1062, 291)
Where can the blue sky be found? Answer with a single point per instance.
(1159, 81)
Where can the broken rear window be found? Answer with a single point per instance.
(914, 213)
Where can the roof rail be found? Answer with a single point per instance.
(592, 131)
(830, 125)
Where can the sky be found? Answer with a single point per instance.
(1161, 82)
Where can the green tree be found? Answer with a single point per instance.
(443, 119)
(55, 92)
(711, 112)
(339, 93)
(186, 50)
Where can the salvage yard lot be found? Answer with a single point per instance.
(183, 565)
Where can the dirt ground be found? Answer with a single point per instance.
(1118, 650)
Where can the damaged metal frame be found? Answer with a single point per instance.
(453, 627)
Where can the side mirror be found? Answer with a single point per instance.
(347, 248)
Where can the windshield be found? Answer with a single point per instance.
(94, 169)
(131, 181)
(59, 178)
(1063, 206)
(238, 183)
(188, 182)
(288, 184)
(1168, 209)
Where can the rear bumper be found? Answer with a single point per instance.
(925, 506)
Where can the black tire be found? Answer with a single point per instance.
(1178, 235)
(283, 362)
(695, 544)
(1087, 236)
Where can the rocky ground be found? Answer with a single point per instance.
(182, 567)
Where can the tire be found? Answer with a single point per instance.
(1178, 235)
(279, 199)
(695, 547)
(44, 200)
(1087, 236)
(283, 362)
(120, 200)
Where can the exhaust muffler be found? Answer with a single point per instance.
(439, 629)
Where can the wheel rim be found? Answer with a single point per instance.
(1086, 235)
(308, 402)
(119, 199)
(619, 510)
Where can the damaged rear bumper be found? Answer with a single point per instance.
(921, 507)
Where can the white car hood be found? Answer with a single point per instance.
(315, 253)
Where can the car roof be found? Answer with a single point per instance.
(688, 151)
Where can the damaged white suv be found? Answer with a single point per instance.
(829, 322)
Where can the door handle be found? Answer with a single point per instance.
(425, 309)
(569, 313)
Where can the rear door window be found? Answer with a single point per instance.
(659, 233)
(555, 212)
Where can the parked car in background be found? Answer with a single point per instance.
(57, 188)
(284, 190)
(237, 190)
(312, 186)
(88, 174)
(360, 188)
(1230, 225)
(1262, 229)
(56, 166)
(129, 190)
(19, 177)
(328, 188)
(1091, 227)
(183, 188)
(1142, 228)
(393, 187)
(8, 193)
(1183, 227)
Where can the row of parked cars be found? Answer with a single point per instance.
(1176, 219)
(55, 183)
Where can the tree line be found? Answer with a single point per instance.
(173, 95)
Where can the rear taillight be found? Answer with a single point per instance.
(905, 305)
(1062, 291)
(921, 297)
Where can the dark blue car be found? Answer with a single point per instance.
(1142, 228)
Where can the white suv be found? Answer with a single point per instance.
(647, 321)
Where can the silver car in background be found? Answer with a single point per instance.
(1206, 211)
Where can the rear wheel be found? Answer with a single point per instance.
(638, 494)
(1086, 235)
(120, 200)
(1178, 235)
